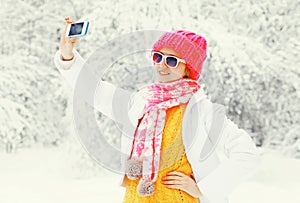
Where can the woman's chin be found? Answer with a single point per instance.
(163, 78)
(167, 79)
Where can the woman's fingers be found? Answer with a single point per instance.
(65, 30)
(177, 173)
(174, 186)
(68, 21)
(73, 40)
(173, 179)
(179, 180)
(66, 38)
(170, 177)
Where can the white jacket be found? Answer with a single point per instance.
(217, 173)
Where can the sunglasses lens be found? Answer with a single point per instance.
(171, 61)
(157, 58)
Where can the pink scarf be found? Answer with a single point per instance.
(145, 157)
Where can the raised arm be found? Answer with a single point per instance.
(109, 99)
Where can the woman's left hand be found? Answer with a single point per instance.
(179, 180)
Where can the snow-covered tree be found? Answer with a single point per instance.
(252, 66)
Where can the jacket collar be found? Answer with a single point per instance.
(199, 95)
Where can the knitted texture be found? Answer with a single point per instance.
(190, 46)
(173, 158)
(148, 136)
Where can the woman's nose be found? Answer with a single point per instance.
(163, 64)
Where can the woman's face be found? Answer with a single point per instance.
(166, 74)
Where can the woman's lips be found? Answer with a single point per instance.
(163, 73)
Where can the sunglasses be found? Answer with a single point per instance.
(171, 61)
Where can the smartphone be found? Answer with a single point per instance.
(77, 29)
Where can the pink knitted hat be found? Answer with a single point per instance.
(190, 46)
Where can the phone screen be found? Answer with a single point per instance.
(76, 29)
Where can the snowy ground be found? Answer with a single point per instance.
(35, 176)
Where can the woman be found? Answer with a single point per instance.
(175, 124)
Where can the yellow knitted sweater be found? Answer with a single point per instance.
(172, 158)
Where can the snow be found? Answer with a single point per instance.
(41, 175)
(253, 50)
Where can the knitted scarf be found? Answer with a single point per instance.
(145, 155)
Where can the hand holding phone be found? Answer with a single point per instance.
(67, 43)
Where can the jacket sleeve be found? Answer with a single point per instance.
(110, 100)
(242, 159)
